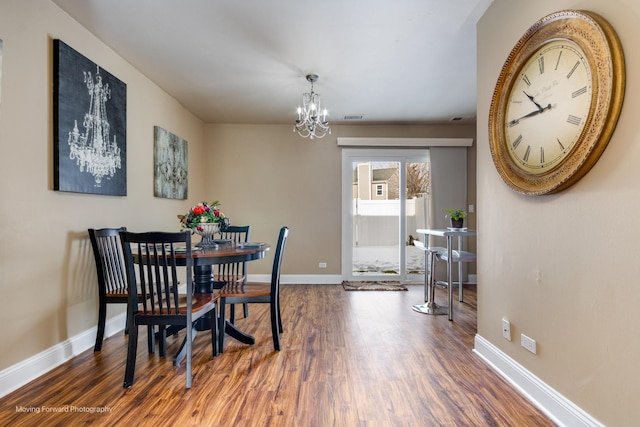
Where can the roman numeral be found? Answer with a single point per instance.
(541, 154)
(573, 69)
(579, 92)
(574, 120)
(515, 143)
(541, 64)
(526, 154)
(560, 144)
(558, 61)
(526, 80)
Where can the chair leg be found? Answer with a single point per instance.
(279, 317)
(189, 344)
(232, 313)
(214, 331)
(129, 317)
(162, 337)
(221, 322)
(151, 339)
(131, 356)
(275, 325)
(102, 318)
(245, 307)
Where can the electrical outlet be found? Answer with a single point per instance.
(322, 265)
(528, 343)
(506, 329)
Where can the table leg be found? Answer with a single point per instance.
(203, 280)
(231, 330)
(182, 351)
(449, 275)
(430, 306)
(460, 286)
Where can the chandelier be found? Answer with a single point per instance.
(312, 118)
(93, 150)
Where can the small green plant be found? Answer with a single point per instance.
(456, 214)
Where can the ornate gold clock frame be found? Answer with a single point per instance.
(556, 102)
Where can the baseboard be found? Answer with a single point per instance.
(14, 377)
(302, 279)
(561, 410)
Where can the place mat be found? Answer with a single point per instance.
(373, 286)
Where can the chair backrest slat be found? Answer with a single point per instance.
(157, 272)
(237, 234)
(107, 251)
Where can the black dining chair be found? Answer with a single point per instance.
(261, 293)
(113, 287)
(233, 272)
(151, 266)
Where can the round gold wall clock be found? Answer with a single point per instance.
(556, 102)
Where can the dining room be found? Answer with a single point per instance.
(266, 175)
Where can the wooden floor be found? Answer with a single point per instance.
(347, 359)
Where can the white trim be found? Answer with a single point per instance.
(560, 409)
(14, 377)
(404, 142)
(299, 279)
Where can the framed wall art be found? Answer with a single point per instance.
(170, 165)
(90, 126)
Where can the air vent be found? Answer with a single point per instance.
(353, 117)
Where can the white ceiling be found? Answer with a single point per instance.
(245, 61)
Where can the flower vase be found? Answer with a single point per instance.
(207, 231)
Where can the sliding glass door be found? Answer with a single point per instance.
(385, 198)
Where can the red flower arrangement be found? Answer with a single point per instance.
(202, 213)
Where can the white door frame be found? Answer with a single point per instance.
(400, 155)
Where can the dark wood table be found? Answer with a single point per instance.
(203, 261)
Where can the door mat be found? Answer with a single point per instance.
(373, 286)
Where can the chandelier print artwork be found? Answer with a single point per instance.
(93, 149)
(89, 126)
(170, 165)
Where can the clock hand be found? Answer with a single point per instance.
(531, 114)
(534, 101)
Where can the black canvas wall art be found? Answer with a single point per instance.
(90, 124)
(170, 165)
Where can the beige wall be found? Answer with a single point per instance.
(267, 176)
(564, 268)
(47, 277)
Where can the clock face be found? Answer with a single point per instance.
(548, 106)
(556, 102)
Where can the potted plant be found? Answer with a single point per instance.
(457, 217)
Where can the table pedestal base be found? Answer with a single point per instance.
(430, 308)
